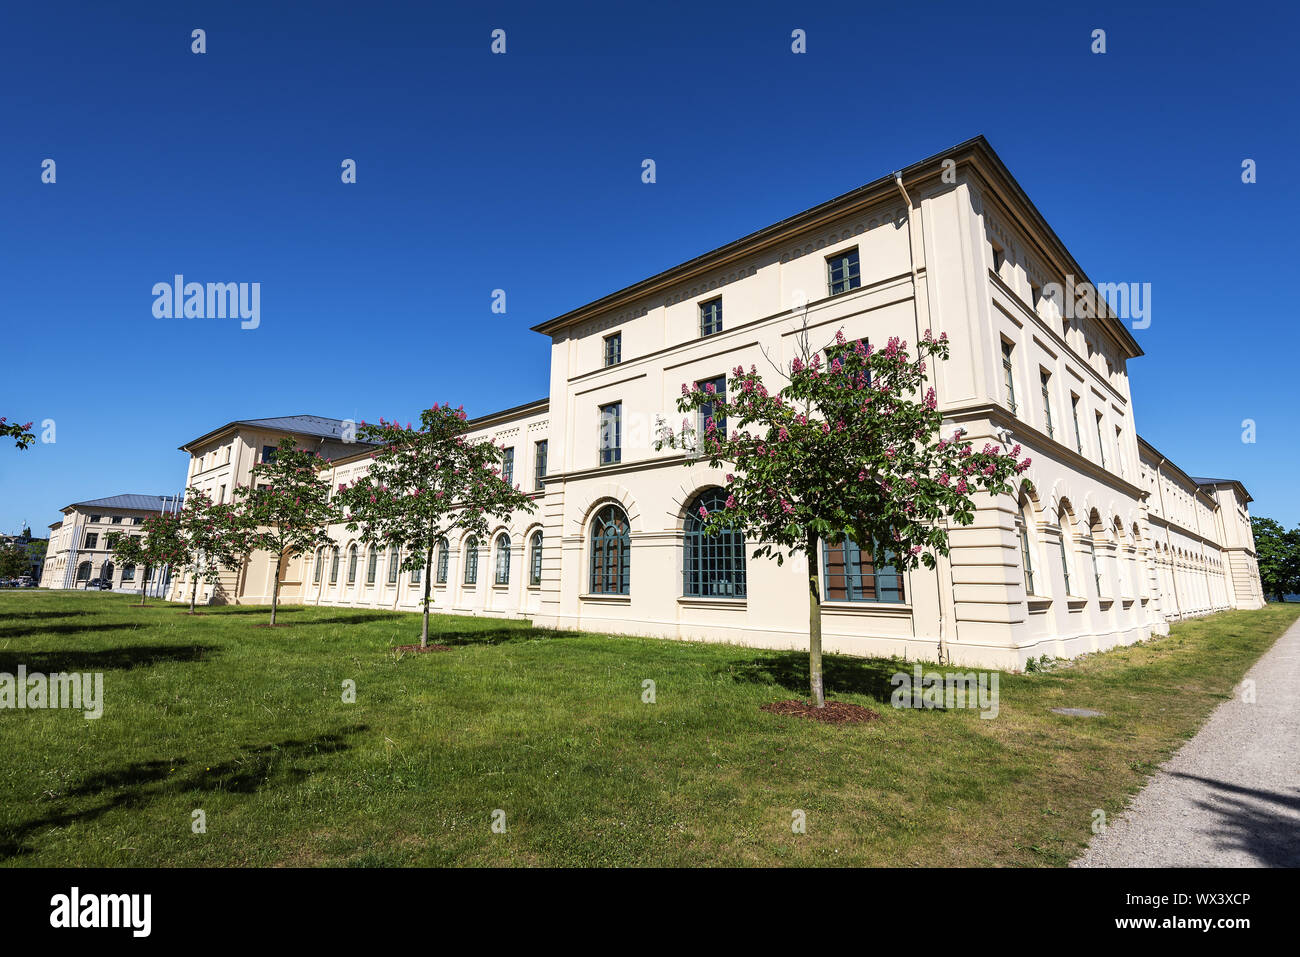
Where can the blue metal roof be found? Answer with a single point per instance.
(148, 503)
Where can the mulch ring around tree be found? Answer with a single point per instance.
(278, 624)
(835, 712)
(417, 649)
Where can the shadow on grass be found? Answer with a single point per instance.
(840, 675)
(108, 659)
(25, 631)
(1261, 823)
(493, 636)
(136, 785)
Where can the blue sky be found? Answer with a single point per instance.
(522, 172)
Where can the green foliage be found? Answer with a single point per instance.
(1277, 551)
(13, 560)
(848, 447)
(21, 434)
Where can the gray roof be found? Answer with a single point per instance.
(148, 503)
(320, 426)
(1210, 481)
(302, 424)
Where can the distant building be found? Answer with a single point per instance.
(81, 543)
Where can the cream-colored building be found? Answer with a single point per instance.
(81, 543)
(1111, 543)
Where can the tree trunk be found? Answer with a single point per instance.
(428, 584)
(144, 585)
(275, 587)
(194, 592)
(814, 627)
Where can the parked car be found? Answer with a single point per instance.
(103, 584)
(26, 581)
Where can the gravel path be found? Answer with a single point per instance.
(1230, 797)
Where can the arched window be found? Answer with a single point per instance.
(1097, 531)
(852, 575)
(1025, 518)
(535, 559)
(444, 550)
(334, 565)
(713, 565)
(83, 572)
(320, 560)
(372, 566)
(394, 565)
(611, 552)
(471, 561)
(352, 564)
(1067, 550)
(502, 576)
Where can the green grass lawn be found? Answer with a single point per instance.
(248, 724)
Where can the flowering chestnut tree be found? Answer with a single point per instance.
(425, 484)
(21, 434)
(209, 537)
(286, 507)
(158, 546)
(848, 448)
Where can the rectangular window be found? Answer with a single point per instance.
(842, 271)
(417, 574)
(1096, 571)
(95, 518)
(372, 566)
(394, 566)
(539, 463)
(1074, 413)
(611, 433)
(1008, 376)
(614, 349)
(1101, 442)
(1119, 451)
(221, 496)
(441, 568)
(1047, 402)
(1035, 296)
(711, 317)
(706, 410)
(268, 453)
(92, 539)
(508, 466)
(117, 519)
(852, 576)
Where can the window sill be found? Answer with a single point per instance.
(1039, 604)
(607, 599)
(889, 609)
(1075, 603)
(700, 601)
